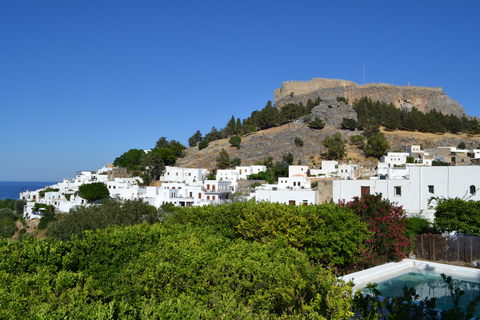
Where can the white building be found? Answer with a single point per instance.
(415, 193)
(244, 172)
(187, 175)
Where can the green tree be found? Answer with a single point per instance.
(131, 159)
(19, 204)
(156, 160)
(298, 142)
(235, 162)
(316, 124)
(176, 147)
(223, 159)
(93, 191)
(376, 145)
(231, 126)
(455, 214)
(288, 158)
(196, 138)
(235, 141)
(335, 146)
(462, 145)
(203, 144)
(349, 124)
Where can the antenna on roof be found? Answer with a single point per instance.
(364, 73)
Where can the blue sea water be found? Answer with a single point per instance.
(12, 189)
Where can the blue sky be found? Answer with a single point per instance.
(82, 82)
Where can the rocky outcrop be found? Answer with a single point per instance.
(332, 112)
(423, 98)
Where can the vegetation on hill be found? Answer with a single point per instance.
(380, 113)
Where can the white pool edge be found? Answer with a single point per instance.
(393, 269)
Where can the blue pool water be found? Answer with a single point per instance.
(430, 285)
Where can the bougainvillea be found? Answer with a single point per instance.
(388, 241)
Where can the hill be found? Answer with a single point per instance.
(423, 98)
(280, 140)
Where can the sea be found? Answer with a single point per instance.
(12, 189)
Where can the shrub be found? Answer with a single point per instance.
(7, 227)
(387, 225)
(298, 142)
(93, 191)
(235, 141)
(7, 213)
(455, 214)
(110, 212)
(159, 271)
(328, 234)
(316, 124)
(203, 144)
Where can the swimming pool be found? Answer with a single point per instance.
(424, 276)
(429, 285)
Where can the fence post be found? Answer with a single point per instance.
(423, 255)
(471, 251)
(458, 251)
(433, 253)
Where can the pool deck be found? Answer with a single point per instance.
(393, 269)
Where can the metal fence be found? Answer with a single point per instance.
(458, 250)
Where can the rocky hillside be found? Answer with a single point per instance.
(423, 98)
(280, 140)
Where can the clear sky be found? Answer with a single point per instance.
(82, 82)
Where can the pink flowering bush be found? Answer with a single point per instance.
(388, 227)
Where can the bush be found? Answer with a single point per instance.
(298, 142)
(455, 214)
(387, 224)
(328, 234)
(7, 213)
(93, 191)
(110, 212)
(316, 124)
(159, 271)
(235, 141)
(203, 144)
(7, 228)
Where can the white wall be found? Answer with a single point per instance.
(300, 197)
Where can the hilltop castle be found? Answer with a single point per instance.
(423, 98)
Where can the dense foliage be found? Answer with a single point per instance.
(335, 146)
(7, 223)
(93, 191)
(455, 214)
(158, 271)
(391, 118)
(329, 234)
(387, 223)
(110, 212)
(376, 146)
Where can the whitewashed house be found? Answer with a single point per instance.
(416, 191)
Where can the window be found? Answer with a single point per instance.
(199, 196)
(473, 189)
(291, 202)
(305, 202)
(208, 197)
(397, 191)
(431, 189)
(213, 197)
(191, 196)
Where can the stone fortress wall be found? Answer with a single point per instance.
(303, 87)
